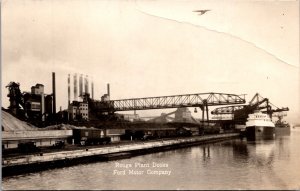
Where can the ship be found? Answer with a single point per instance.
(282, 127)
(259, 126)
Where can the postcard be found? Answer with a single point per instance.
(150, 95)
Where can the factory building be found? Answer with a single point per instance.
(78, 111)
(34, 106)
(49, 104)
(37, 104)
(105, 97)
(38, 89)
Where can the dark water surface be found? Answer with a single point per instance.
(234, 164)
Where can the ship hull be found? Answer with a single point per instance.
(282, 130)
(260, 132)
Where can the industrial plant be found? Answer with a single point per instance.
(31, 123)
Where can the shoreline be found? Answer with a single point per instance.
(43, 161)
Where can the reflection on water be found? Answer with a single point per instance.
(234, 164)
(206, 153)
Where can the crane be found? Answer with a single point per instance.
(201, 100)
(241, 112)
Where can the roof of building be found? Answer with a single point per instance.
(37, 86)
(77, 103)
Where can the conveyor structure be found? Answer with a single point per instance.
(201, 100)
(241, 112)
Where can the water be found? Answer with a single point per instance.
(234, 164)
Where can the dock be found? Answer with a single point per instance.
(42, 161)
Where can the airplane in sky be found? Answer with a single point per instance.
(201, 12)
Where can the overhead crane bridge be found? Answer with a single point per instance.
(241, 112)
(201, 100)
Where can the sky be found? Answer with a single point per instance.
(155, 48)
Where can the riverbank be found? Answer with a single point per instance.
(42, 161)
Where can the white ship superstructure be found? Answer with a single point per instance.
(259, 125)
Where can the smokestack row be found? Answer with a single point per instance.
(80, 86)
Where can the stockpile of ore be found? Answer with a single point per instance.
(11, 123)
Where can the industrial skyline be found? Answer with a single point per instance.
(138, 94)
(226, 50)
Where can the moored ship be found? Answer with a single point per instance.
(282, 127)
(259, 126)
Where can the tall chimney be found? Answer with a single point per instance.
(53, 92)
(69, 90)
(75, 87)
(43, 106)
(108, 90)
(80, 85)
(92, 89)
(86, 84)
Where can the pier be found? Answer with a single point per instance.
(40, 161)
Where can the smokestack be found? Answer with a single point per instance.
(43, 106)
(75, 87)
(80, 85)
(53, 92)
(86, 84)
(92, 89)
(108, 90)
(69, 90)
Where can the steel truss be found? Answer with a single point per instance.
(188, 100)
(257, 102)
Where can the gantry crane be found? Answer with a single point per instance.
(201, 100)
(241, 112)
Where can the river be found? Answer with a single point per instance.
(233, 164)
